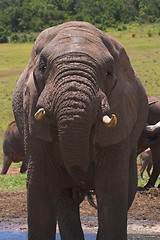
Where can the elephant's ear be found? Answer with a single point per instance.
(25, 92)
(24, 102)
(17, 101)
(40, 129)
(125, 99)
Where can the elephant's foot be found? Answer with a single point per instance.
(148, 186)
(145, 188)
(141, 189)
(69, 215)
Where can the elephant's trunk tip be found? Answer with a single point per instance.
(153, 129)
(110, 122)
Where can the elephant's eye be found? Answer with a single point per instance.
(110, 80)
(42, 65)
(109, 72)
(39, 74)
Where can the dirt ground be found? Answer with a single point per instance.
(144, 215)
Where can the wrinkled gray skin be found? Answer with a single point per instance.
(146, 161)
(150, 138)
(13, 149)
(77, 74)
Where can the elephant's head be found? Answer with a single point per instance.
(79, 81)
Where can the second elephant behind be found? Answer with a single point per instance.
(13, 149)
(150, 138)
(146, 161)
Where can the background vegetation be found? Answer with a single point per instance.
(29, 16)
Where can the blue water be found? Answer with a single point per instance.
(23, 236)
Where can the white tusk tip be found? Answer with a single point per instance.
(39, 115)
(110, 122)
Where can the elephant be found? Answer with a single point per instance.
(150, 138)
(153, 129)
(81, 108)
(146, 161)
(13, 149)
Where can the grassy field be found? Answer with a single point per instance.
(14, 182)
(140, 42)
(13, 59)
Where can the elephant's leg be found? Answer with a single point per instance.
(133, 178)
(43, 189)
(69, 217)
(149, 168)
(23, 168)
(156, 166)
(144, 165)
(153, 178)
(111, 182)
(7, 160)
(42, 198)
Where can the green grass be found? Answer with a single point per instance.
(14, 56)
(13, 59)
(15, 182)
(144, 53)
(143, 182)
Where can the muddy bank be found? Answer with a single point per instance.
(144, 215)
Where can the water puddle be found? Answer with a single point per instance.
(23, 236)
(16, 229)
(13, 236)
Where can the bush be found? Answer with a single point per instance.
(119, 29)
(124, 27)
(23, 37)
(149, 34)
(14, 37)
(3, 38)
(32, 37)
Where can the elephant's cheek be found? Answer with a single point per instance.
(41, 130)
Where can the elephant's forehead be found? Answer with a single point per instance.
(77, 41)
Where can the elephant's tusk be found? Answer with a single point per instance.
(110, 122)
(39, 115)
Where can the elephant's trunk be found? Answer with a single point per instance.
(76, 112)
(152, 129)
(74, 144)
(6, 164)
